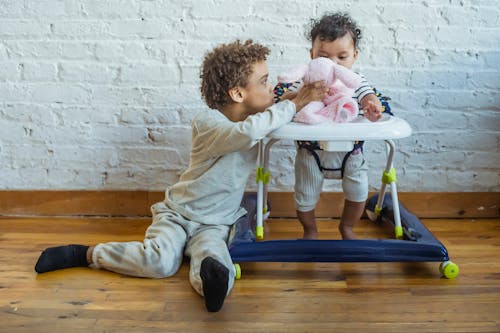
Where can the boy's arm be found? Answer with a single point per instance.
(224, 136)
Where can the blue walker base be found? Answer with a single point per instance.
(418, 245)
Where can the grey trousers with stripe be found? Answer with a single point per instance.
(309, 178)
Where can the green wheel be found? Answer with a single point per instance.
(449, 269)
(238, 271)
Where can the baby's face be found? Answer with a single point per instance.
(341, 50)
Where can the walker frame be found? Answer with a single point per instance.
(413, 241)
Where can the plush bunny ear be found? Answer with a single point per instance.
(293, 74)
(348, 77)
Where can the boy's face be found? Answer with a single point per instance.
(341, 50)
(258, 94)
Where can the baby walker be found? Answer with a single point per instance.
(413, 241)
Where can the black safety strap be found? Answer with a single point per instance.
(312, 146)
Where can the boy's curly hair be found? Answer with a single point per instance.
(333, 26)
(228, 66)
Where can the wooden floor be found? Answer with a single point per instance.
(271, 297)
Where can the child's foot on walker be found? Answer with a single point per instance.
(215, 277)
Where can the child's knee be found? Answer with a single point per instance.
(356, 188)
(305, 203)
(357, 195)
(160, 260)
(355, 180)
(161, 270)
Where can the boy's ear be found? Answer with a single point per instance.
(236, 94)
(355, 54)
(311, 53)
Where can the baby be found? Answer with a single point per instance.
(336, 37)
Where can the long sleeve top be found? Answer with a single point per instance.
(223, 155)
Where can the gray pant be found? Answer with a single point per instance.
(167, 239)
(309, 178)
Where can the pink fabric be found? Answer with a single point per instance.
(338, 106)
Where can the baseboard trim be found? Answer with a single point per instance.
(137, 203)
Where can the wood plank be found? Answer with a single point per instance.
(137, 203)
(77, 203)
(422, 204)
(271, 297)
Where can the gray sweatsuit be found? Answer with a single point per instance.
(198, 211)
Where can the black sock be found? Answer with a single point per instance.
(215, 277)
(54, 258)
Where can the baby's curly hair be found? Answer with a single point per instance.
(333, 26)
(228, 66)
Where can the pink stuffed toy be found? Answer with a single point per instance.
(338, 106)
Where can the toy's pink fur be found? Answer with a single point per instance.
(338, 106)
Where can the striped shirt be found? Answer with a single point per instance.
(364, 89)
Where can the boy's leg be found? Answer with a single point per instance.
(212, 271)
(308, 184)
(159, 255)
(355, 187)
(67, 256)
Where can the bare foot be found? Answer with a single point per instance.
(347, 232)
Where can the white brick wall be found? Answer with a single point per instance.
(99, 94)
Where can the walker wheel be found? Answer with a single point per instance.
(449, 269)
(238, 271)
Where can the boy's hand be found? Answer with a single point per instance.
(315, 91)
(372, 108)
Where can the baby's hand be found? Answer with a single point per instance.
(372, 111)
(289, 95)
(315, 91)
